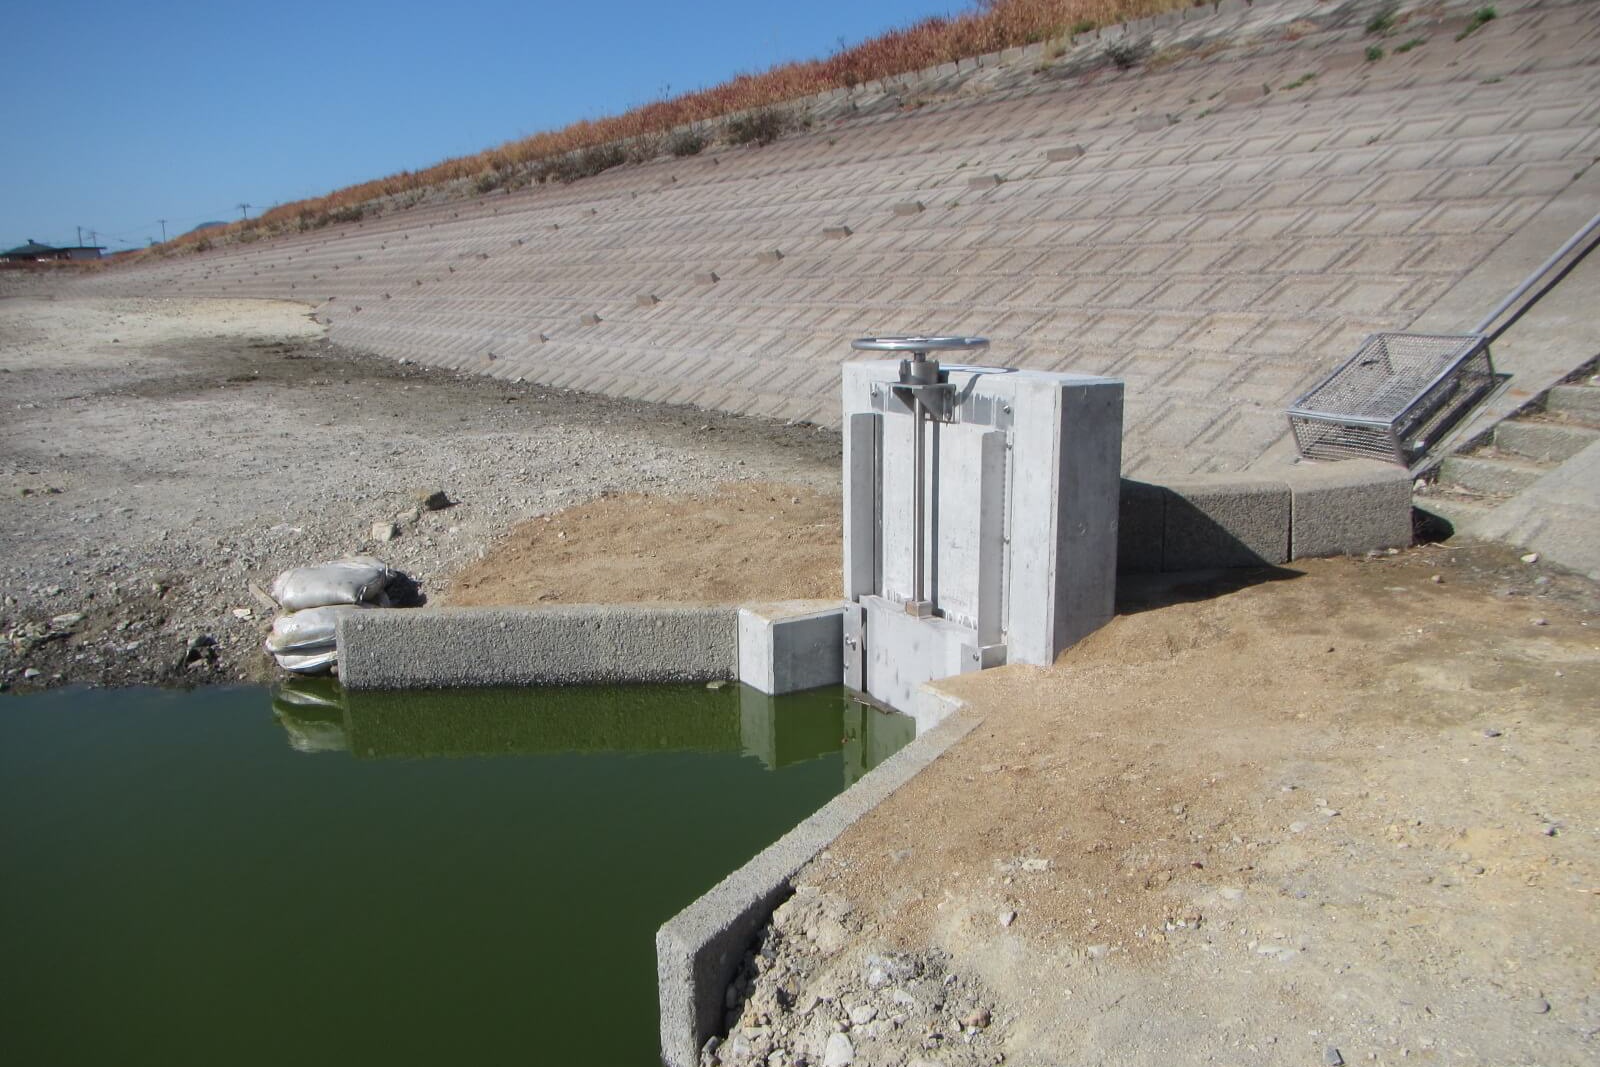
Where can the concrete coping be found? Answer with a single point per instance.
(597, 644)
(698, 949)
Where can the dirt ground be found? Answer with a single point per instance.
(1345, 811)
(157, 457)
(754, 541)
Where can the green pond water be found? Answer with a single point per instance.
(236, 876)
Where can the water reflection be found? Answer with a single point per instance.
(319, 716)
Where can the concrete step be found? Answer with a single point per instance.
(1544, 442)
(1489, 477)
(1458, 510)
(1577, 403)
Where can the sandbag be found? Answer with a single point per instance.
(310, 630)
(358, 580)
(308, 663)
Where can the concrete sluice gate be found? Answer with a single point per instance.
(980, 527)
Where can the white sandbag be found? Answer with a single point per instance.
(358, 580)
(310, 630)
(308, 663)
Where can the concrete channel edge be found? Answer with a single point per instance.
(699, 949)
(443, 648)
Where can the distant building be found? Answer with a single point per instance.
(34, 252)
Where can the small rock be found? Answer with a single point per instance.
(1539, 1006)
(1297, 828)
(1549, 829)
(1541, 622)
(862, 1014)
(385, 531)
(31, 672)
(1531, 557)
(1035, 865)
(1331, 1057)
(978, 1020)
(1490, 731)
(432, 499)
(715, 685)
(67, 620)
(1007, 918)
(839, 1052)
(1437, 579)
(1099, 952)
(243, 613)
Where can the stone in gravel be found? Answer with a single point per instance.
(885, 970)
(1297, 828)
(1541, 622)
(31, 673)
(1331, 1057)
(67, 620)
(432, 499)
(839, 1052)
(1099, 952)
(243, 613)
(978, 1020)
(385, 531)
(862, 1014)
(1531, 557)
(1539, 1006)
(830, 935)
(1490, 731)
(1007, 918)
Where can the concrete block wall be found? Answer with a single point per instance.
(1218, 261)
(1221, 521)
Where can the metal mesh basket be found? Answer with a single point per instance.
(1394, 398)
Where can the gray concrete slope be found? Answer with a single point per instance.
(1558, 516)
(1219, 226)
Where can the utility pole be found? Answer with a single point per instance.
(244, 210)
(163, 230)
(80, 236)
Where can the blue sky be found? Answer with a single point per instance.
(115, 115)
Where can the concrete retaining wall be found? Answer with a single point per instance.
(1313, 509)
(698, 950)
(437, 648)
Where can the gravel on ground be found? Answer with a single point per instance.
(160, 456)
(1343, 811)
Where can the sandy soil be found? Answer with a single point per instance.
(159, 456)
(1350, 814)
(756, 541)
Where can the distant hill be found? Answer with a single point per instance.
(205, 226)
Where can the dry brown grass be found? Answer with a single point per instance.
(989, 27)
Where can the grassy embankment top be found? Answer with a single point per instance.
(683, 125)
